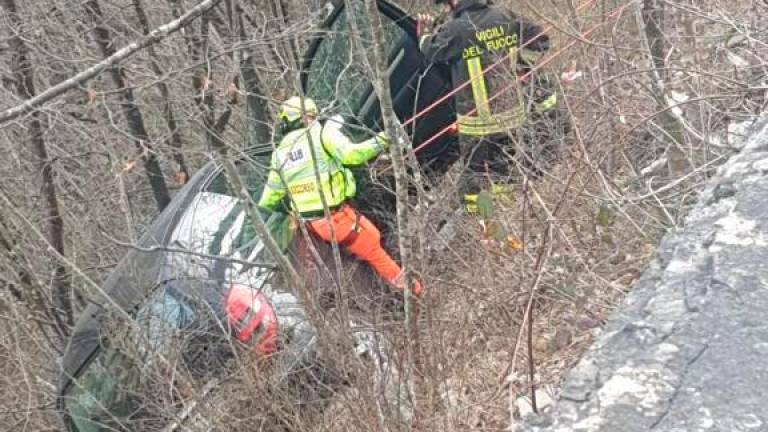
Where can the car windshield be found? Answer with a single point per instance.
(109, 396)
(337, 75)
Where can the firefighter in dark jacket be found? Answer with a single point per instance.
(485, 37)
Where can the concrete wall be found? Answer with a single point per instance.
(688, 349)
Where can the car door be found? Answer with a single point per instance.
(335, 77)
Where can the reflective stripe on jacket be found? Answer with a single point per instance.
(292, 160)
(478, 125)
(480, 36)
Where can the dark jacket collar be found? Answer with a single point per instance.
(469, 5)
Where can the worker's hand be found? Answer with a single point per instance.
(425, 18)
(425, 24)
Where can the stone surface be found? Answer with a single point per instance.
(544, 399)
(687, 351)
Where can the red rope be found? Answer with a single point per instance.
(448, 95)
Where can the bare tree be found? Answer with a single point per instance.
(25, 87)
(550, 262)
(399, 148)
(182, 172)
(155, 36)
(131, 111)
(658, 49)
(19, 279)
(257, 118)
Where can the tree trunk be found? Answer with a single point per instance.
(400, 142)
(182, 173)
(653, 25)
(653, 17)
(133, 115)
(202, 82)
(24, 287)
(25, 87)
(279, 10)
(258, 119)
(259, 133)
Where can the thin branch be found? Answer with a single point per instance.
(134, 117)
(153, 37)
(189, 252)
(22, 69)
(182, 172)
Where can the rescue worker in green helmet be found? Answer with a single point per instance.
(292, 175)
(485, 37)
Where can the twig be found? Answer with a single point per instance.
(188, 252)
(671, 184)
(155, 36)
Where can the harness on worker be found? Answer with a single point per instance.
(355, 232)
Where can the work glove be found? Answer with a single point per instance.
(425, 24)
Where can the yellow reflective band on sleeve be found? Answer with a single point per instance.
(547, 104)
(479, 91)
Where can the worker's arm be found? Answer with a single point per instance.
(444, 46)
(349, 153)
(274, 189)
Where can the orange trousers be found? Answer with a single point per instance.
(361, 238)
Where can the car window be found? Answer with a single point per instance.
(104, 397)
(109, 395)
(161, 316)
(215, 223)
(337, 75)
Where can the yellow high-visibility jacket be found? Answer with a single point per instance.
(292, 171)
